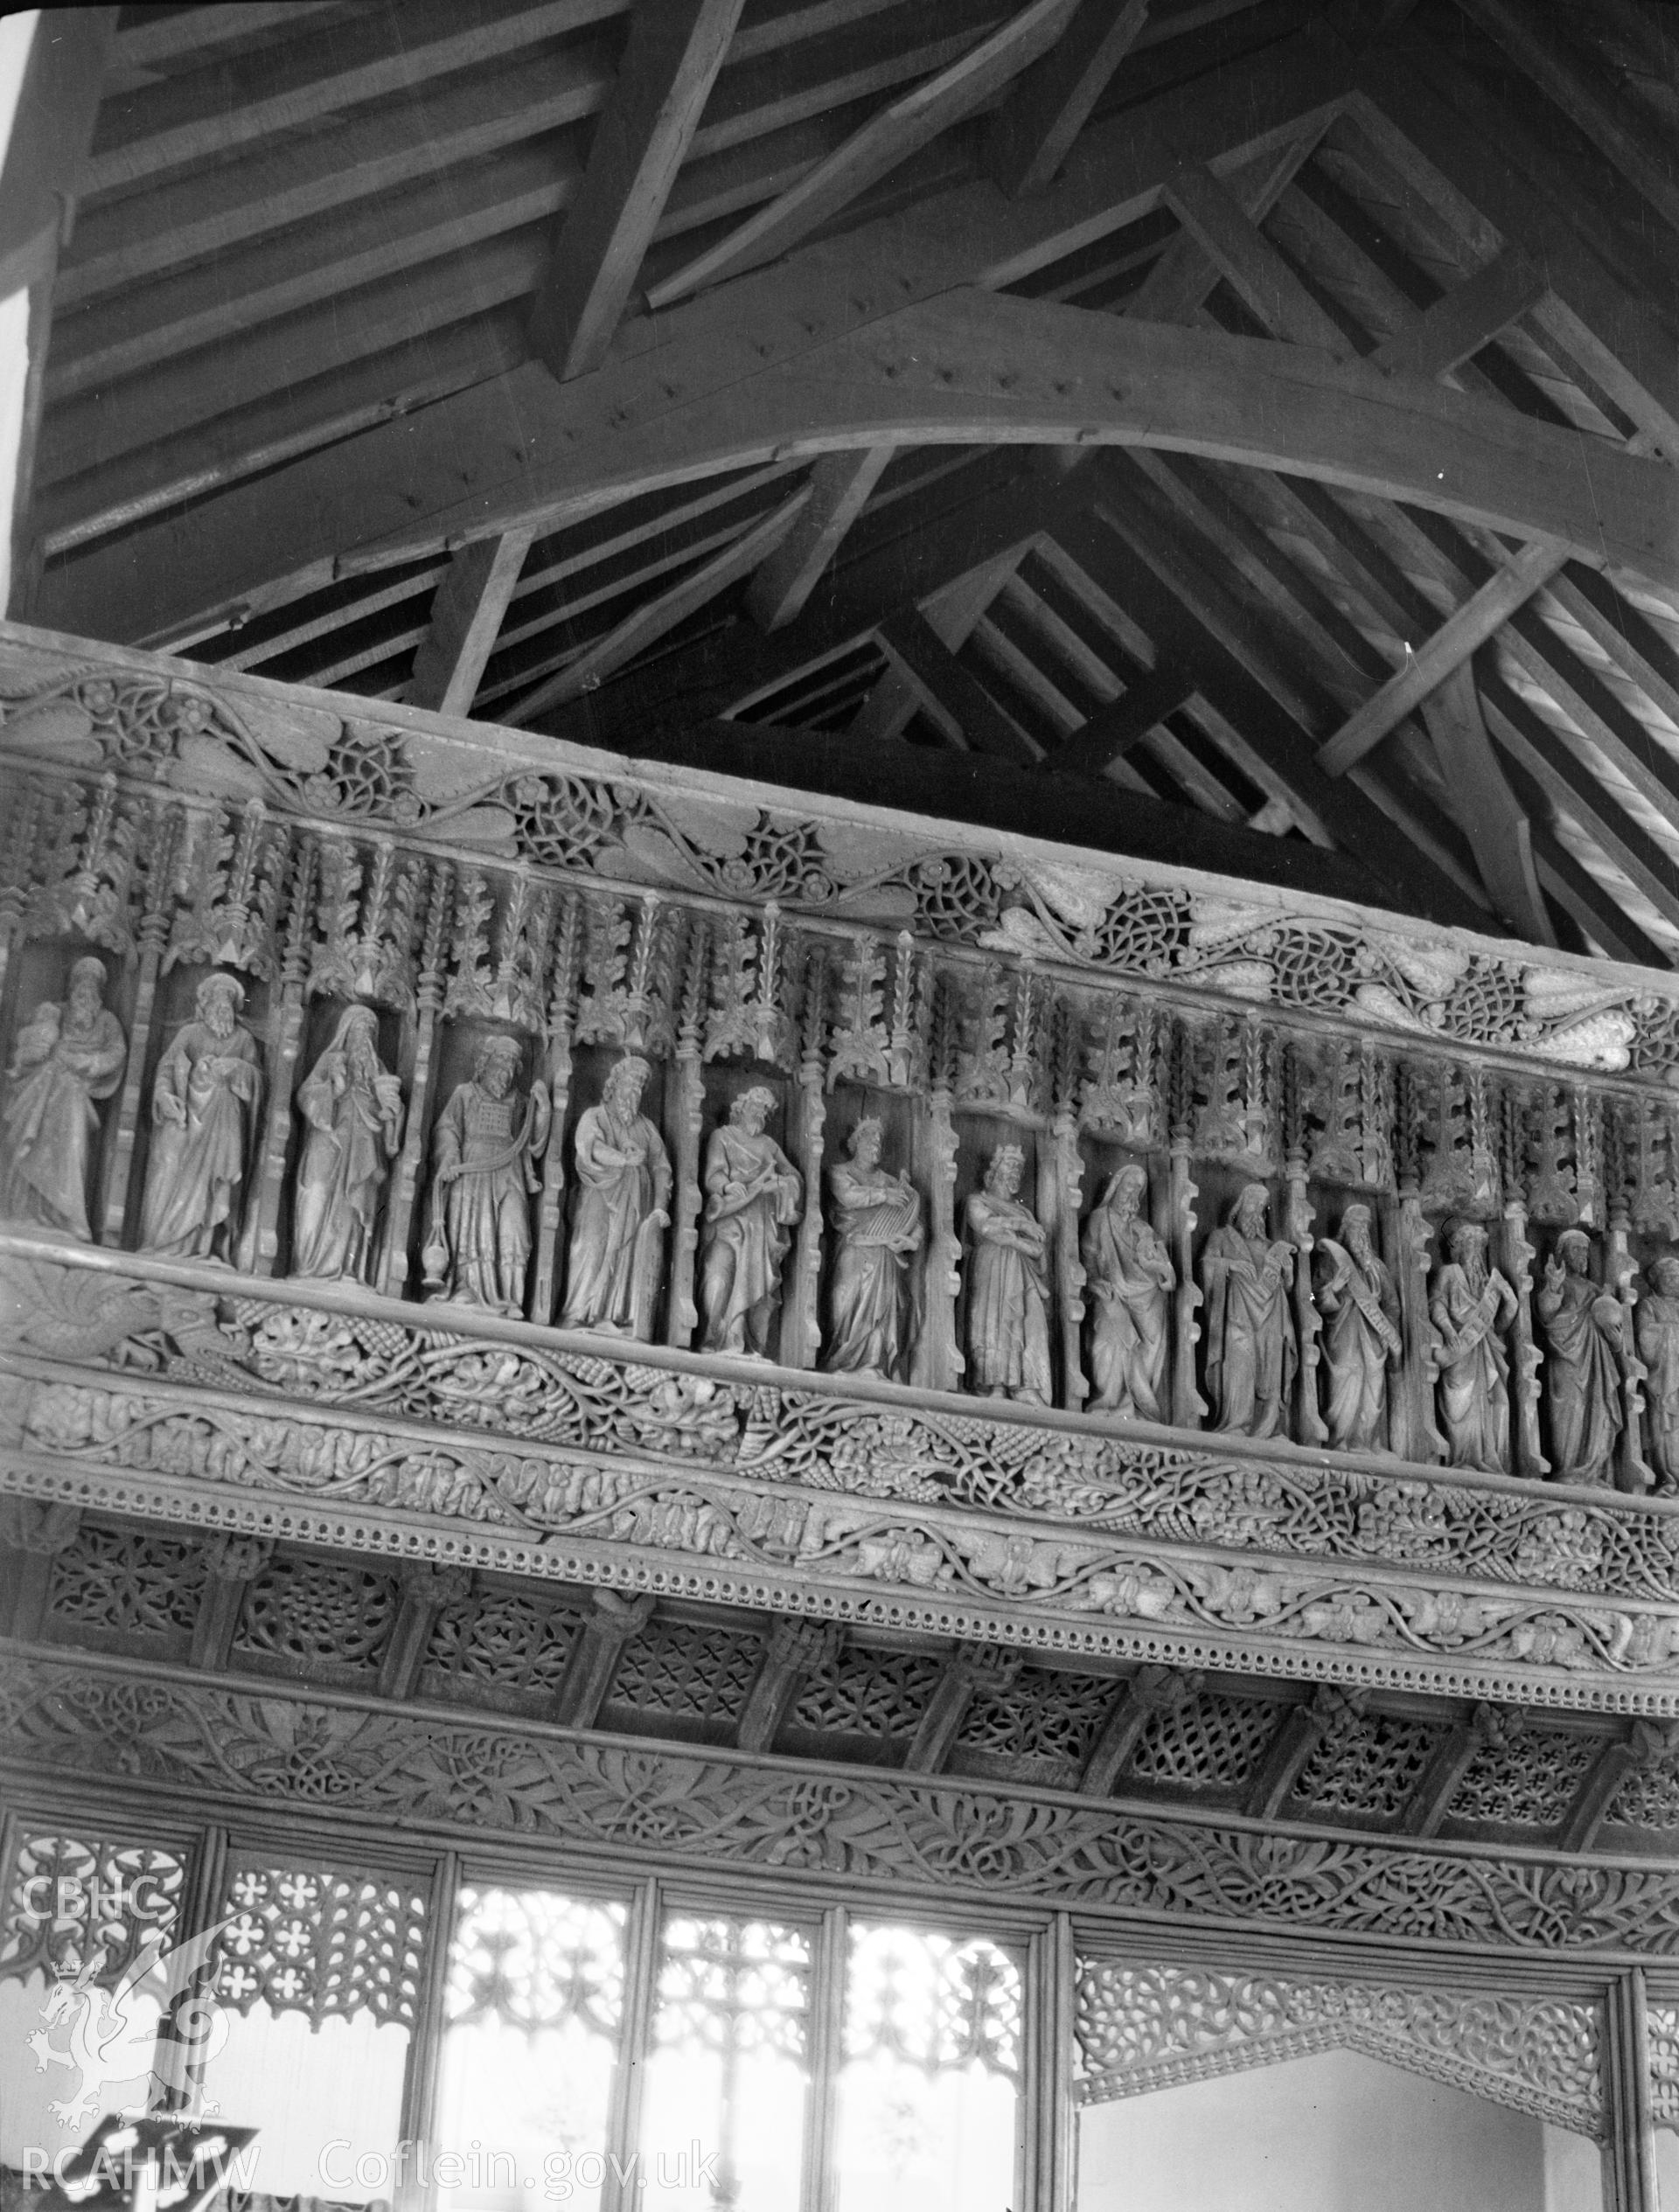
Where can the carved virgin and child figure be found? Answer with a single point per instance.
(1586, 1352)
(876, 1219)
(1471, 1304)
(352, 1108)
(1356, 1296)
(754, 1196)
(484, 1150)
(1130, 1278)
(1251, 1353)
(624, 1200)
(205, 1100)
(67, 1059)
(1008, 1287)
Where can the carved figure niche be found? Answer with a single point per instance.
(206, 1098)
(754, 1202)
(623, 1183)
(1472, 1306)
(487, 1144)
(1583, 1329)
(1006, 1284)
(350, 1116)
(876, 1235)
(67, 1058)
(1118, 1156)
(1658, 1347)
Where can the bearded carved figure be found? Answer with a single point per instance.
(1251, 1349)
(203, 1111)
(623, 1198)
(1008, 1287)
(754, 1196)
(1360, 1305)
(1658, 1346)
(483, 1155)
(877, 1228)
(1584, 1330)
(1130, 1279)
(352, 1106)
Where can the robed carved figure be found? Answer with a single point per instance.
(753, 1198)
(203, 1111)
(1470, 1305)
(483, 1154)
(66, 1059)
(877, 1228)
(1131, 1279)
(623, 1198)
(1584, 1351)
(1009, 1288)
(1250, 1351)
(1360, 1306)
(1658, 1346)
(352, 1106)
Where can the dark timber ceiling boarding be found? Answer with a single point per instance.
(1238, 430)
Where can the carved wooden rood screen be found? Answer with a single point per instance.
(778, 1458)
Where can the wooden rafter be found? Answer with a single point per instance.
(466, 617)
(1484, 806)
(1033, 130)
(871, 152)
(840, 484)
(670, 64)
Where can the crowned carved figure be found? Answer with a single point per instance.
(877, 1228)
(483, 1155)
(1360, 1305)
(1470, 1305)
(67, 1059)
(1131, 1279)
(624, 1199)
(754, 1196)
(1584, 1330)
(1658, 1346)
(204, 1109)
(1251, 1349)
(1008, 1286)
(352, 1106)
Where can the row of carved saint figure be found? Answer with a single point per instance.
(489, 1141)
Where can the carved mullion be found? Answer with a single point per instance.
(937, 1363)
(971, 1667)
(261, 1245)
(1152, 1689)
(1188, 1406)
(563, 969)
(613, 1622)
(794, 1648)
(1414, 1433)
(1633, 1471)
(417, 1058)
(168, 828)
(685, 1120)
(18, 860)
(1517, 1259)
(231, 1563)
(1060, 1197)
(1310, 1427)
(801, 1329)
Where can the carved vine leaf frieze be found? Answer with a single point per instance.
(963, 1839)
(1140, 2028)
(300, 759)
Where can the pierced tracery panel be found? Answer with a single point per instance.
(71, 1900)
(1648, 1799)
(679, 1669)
(1140, 2028)
(500, 1640)
(1663, 2021)
(1369, 1766)
(318, 1611)
(310, 1939)
(1530, 1782)
(1044, 1718)
(1208, 1742)
(936, 2002)
(866, 1694)
(536, 1959)
(121, 1582)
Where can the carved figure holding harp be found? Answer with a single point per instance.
(352, 1106)
(1470, 1305)
(877, 1228)
(203, 1111)
(1008, 1289)
(1585, 1355)
(1130, 1278)
(67, 1059)
(1358, 1300)
(1251, 1349)
(483, 1155)
(753, 1195)
(624, 1199)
